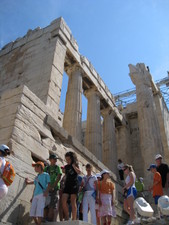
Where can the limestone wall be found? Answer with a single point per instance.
(163, 118)
(34, 133)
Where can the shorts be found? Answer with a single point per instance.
(71, 189)
(38, 205)
(53, 199)
(132, 192)
(156, 197)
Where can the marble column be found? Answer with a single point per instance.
(93, 139)
(109, 153)
(72, 121)
(150, 138)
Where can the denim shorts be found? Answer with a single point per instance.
(132, 192)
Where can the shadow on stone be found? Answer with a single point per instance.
(17, 211)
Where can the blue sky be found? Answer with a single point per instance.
(110, 33)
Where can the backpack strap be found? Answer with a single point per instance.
(40, 184)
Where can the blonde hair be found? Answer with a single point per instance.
(129, 167)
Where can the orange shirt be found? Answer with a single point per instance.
(157, 189)
(106, 187)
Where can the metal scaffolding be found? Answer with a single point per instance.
(129, 96)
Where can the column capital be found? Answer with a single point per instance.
(108, 111)
(74, 69)
(91, 91)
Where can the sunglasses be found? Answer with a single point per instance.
(125, 169)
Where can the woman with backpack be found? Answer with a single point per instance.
(4, 151)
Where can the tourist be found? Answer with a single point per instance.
(139, 187)
(55, 175)
(4, 151)
(157, 183)
(106, 198)
(89, 184)
(120, 166)
(71, 184)
(163, 169)
(42, 186)
(97, 203)
(62, 185)
(130, 191)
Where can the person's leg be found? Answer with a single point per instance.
(109, 220)
(74, 206)
(130, 202)
(91, 201)
(97, 217)
(39, 220)
(126, 206)
(3, 192)
(85, 209)
(35, 220)
(65, 206)
(104, 220)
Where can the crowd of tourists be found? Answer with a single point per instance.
(62, 191)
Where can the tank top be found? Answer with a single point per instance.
(127, 180)
(2, 170)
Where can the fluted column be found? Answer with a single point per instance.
(93, 139)
(109, 153)
(73, 106)
(150, 138)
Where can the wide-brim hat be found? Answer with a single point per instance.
(104, 171)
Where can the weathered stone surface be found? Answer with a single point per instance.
(150, 138)
(109, 152)
(72, 121)
(93, 128)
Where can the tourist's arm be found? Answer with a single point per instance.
(76, 168)
(27, 181)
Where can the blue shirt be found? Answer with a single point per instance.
(44, 180)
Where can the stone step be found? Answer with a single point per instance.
(69, 222)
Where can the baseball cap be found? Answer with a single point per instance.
(5, 149)
(158, 156)
(104, 171)
(38, 163)
(53, 156)
(152, 166)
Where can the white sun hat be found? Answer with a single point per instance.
(104, 171)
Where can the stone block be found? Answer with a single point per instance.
(57, 130)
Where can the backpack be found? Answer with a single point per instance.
(8, 174)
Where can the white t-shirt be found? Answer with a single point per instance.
(120, 166)
(90, 182)
(2, 159)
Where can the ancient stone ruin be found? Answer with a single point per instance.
(31, 123)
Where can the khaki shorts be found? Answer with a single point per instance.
(52, 199)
